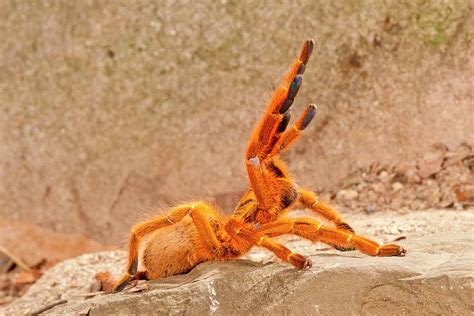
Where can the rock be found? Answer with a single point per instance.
(435, 277)
(351, 180)
(397, 186)
(371, 208)
(402, 168)
(378, 187)
(347, 194)
(34, 244)
(384, 176)
(455, 158)
(464, 193)
(435, 155)
(427, 169)
(6, 263)
(412, 176)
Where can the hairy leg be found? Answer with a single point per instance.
(200, 212)
(276, 118)
(316, 232)
(270, 137)
(291, 135)
(249, 237)
(309, 200)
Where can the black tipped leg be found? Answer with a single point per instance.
(286, 105)
(294, 88)
(307, 116)
(307, 50)
(123, 284)
(133, 267)
(301, 69)
(284, 123)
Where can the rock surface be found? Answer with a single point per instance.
(434, 278)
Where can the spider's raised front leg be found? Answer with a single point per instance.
(316, 232)
(274, 122)
(268, 177)
(201, 213)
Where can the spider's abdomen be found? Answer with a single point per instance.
(171, 250)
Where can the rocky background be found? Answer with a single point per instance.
(110, 110)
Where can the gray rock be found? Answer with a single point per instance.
(435, 277)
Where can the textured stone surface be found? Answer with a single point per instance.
(435, 277)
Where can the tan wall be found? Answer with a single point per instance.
(110, 108)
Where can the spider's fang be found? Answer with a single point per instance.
(308, 116)
(307, 50)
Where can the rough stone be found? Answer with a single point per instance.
(435, 277)
(347, 194)
(397, 186)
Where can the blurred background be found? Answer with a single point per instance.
(111, 110)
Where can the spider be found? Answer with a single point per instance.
(196, 232)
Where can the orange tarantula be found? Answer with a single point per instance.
(196, 232)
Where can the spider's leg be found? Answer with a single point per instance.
(242, 233)
(315, 231)
(292, 134)
(276, 118)
(138, 232)
(310, 200)
(200, 212)
(271, 185)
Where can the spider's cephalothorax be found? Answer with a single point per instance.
(196, 232)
